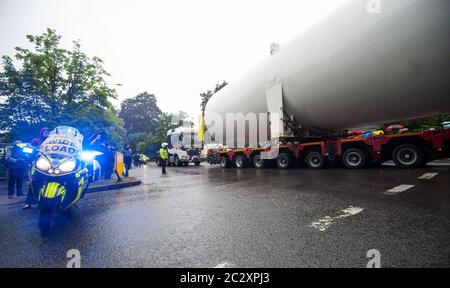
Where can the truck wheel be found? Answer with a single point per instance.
(315, 160)
(197, 163)
(240, 161)
(407, 156)
(224, 162)
(176, 161)
(258, 162)
(354, 158)
(284, 161)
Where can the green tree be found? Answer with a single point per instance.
(135, 138)
(53, 86)
(182, 119)
(141, 113)
(165, 124)
(148, 143)
(205, 96)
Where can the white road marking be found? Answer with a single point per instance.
(428, 176)
(398, 189)
(222, 265)
(325, 223)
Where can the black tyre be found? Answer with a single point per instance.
(408, 156)
(197, 163)
(224, 162)
(46, 220)
(354, 158)
(258, 162)
(176, 161)
(284, 161)
(315, 160)
(240, 161)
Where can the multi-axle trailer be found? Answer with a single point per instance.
(407, 150)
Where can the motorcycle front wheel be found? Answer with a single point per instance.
(48, 209)
(46, 220)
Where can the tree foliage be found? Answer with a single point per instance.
(141, 113)
(182, 119)
(149, 142)
(54, 86)
(205, 96)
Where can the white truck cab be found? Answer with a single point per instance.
(183, 147)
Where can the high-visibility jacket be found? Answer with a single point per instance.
(163, 154)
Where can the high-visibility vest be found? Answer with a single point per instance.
(163, 154)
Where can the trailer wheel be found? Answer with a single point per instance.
(240, 161)
(354, 158)
(258, 162)
(407, 156)
(284, 161)
(315, 160)
(224, 162)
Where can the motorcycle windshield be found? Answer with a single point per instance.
(63, 141)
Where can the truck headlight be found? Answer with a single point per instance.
(43, 164)
(68, 166)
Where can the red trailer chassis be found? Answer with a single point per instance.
(408, 150)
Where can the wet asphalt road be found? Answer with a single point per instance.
(207, 216)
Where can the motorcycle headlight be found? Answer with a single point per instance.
(43, 164)
(68, 166)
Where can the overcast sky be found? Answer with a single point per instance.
(173, 49)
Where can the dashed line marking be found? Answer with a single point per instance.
(222, 265)
(398, 189)
(428, 176)
(325, 223)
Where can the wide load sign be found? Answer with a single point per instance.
(65, 141)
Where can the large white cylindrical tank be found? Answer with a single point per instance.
(355, 68)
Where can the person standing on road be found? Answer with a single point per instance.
(136, 160)
(17, 169)
(109, 162)
(36, 142)
(164, 155)
(127, 158)
(97, 143)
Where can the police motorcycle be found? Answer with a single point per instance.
(61, 173)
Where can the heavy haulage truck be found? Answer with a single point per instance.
(358, 66)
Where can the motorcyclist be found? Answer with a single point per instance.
(164, 155)
(17, 164)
